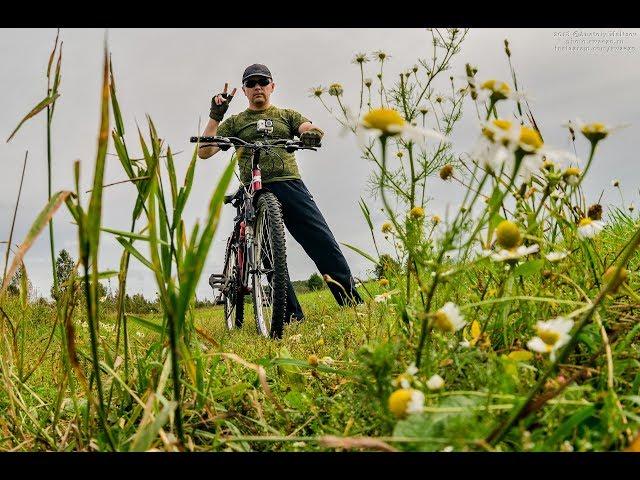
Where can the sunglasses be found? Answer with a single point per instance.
(262, 81)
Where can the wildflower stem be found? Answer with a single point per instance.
(586, 169)
(361, 87)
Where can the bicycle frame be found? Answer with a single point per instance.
(242, 237)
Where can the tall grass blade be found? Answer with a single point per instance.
(34, 111)
(36, 228)
(90, 239)
(361, 252)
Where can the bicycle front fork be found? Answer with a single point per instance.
(246, 254)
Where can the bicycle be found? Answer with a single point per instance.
(255, 255)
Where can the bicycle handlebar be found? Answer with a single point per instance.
(235, 141)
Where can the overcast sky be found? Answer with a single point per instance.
(171, 74)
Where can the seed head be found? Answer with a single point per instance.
(335, 89)
(595, 212)
(387, 227)
(446, 172)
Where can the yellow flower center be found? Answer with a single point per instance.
(383, 282)
(441, 320)
(500, 89)
(500, 123)
(508, 234)
(530, 139)
(417, 213)
(572, 171)
(594, 131)
(387, 120)
(399, 400)
(595, 127)
(549, 337)
(584, 222)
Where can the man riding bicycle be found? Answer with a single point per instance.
(280, 176)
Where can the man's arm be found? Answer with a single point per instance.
(219, 105)
(210, 131)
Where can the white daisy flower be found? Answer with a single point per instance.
(514, 253)
(501, 138)
(572, 175)
(383, 297)
(448, 318)
(388, 122)
(531, 164)
(557, 194)
(552, 335)
(405, 401)
(416, 403)
(436, 382)
(496, 90)
(556, 256)
(588, 228)
(561, 158)
(411, 369)
(595, 131)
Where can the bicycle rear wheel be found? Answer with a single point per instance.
(232, 289)
(271, 276)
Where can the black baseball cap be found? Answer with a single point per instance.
(256, 70)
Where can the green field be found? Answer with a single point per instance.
(511, 324)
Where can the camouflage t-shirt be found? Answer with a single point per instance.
(275, 164)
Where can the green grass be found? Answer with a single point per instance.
(359, 353)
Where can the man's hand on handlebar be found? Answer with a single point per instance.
(220, 103)
(311, 137)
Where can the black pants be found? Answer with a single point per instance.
(308, 227)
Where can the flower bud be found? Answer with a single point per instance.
(508, 234)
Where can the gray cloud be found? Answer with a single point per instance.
(172, 73)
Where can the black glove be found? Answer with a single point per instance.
(217, 111)
(312, 137)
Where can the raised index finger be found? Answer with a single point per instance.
(233, 92)
(226, 85)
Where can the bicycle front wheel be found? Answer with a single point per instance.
(271, 277)
(232, 289)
